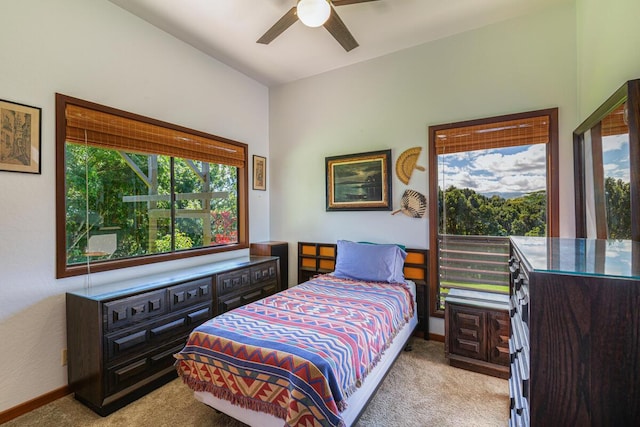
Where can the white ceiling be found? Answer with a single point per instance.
(228, 29)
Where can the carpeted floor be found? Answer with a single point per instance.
(421, 390)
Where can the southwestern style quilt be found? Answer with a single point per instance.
(300, 353)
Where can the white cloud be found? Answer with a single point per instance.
(494, 171)
(615, 142)
(614, 170)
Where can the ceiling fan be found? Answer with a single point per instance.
(315, 13)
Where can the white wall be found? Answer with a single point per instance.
(519, 65)
(608, 40)
(95, 51)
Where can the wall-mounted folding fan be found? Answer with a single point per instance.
(333, 23)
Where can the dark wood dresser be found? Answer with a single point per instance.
(477, 331)
(575, 344)
(121, 337)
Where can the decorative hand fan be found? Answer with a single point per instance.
(413, 204)
(406, 163)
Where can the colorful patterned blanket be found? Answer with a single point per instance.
(300, 353)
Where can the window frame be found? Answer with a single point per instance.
(553, 197)
(628, 93)
(65, 270)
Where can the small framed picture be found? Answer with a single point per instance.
(359, 182)
(259, 173)
(20, 137)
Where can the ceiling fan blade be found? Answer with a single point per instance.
(339, 31)
(283, 23)
(346, 2)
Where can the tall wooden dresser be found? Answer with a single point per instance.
(575, 322)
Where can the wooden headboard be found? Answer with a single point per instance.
(320, 258)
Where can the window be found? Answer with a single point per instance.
(133, 190)
(492, 178)
(605, 150)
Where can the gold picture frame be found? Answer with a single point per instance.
(20, 137)
(359, 182)
(259, 173)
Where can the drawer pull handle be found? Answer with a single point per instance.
(119, 315)
(167, 327)
(469, 332)
(251, 296)
(130, 340)
(245, 279)
(131, 370)
(204, 290)
(158, 357)
(232, 303)
(268, 290)
(199, 315)
(193, 293)
(138, 309)
(178, 297)
(154, 304)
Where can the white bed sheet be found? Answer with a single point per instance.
(355, 402)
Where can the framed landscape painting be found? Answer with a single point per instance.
(19, 137)
(359, 182)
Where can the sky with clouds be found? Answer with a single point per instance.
(515, 171)
(509, 172)
(615, 156)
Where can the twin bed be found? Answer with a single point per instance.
(311, 355)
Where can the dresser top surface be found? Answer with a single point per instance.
(118, 289)
(586, 257)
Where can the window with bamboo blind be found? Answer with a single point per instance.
(491, 178)
(133, 190)
(606, 152)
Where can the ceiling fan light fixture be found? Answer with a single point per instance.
(313, 13)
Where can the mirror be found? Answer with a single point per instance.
(606, 163)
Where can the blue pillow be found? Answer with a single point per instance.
(368, 262)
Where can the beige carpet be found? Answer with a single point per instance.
(421, 390)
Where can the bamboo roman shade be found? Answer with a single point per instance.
(107, 130)
(526, 131)
(615, 123)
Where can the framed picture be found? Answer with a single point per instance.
(359, 182)
(259, 173)
(20, 137)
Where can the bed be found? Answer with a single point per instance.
(311, 355)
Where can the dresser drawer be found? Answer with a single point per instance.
(125, 374)
(138, 308)
(263, 272)
(499, 331)
(232, 281)
(130, 340)
(466, 332)
(189, 293)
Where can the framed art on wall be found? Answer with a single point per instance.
(359, 182)
(259, 173)
(20, 137)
